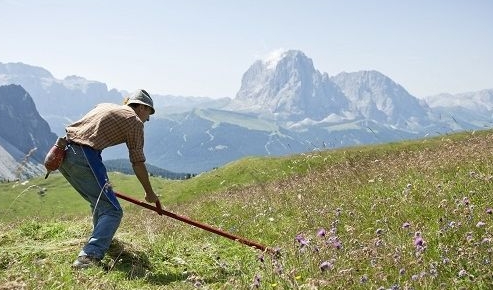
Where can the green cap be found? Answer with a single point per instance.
(141, 97)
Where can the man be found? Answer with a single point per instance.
(104, 126)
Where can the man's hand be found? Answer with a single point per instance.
(143, 176)
(151, 197)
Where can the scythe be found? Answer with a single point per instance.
(157, 208)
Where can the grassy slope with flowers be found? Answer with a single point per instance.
(408, 215)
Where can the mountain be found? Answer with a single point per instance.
(124, 166)
(284, 106)
(179, 104)
(59, 101)
(465, 110)
(481, 101)
(344, 110)
(287, 86)
(375, 96)
(25, 137)
(203, 139)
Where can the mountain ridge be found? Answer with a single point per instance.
(284, 106)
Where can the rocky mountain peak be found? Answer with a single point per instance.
(288, 59)
(377, 97)
(287, 85)
(266, 78)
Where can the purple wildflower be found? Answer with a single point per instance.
(277, 252)
(301, 240)
(373, 262)
(334, 242)
(480, 224)
(278, 269)
(418, 240)
(321, 233)
(469, 237)
(489, 211)
(378, 242)
(256, 281)
(326, 265)
(363, 279)
(337, 244)
(462, 273)
(433, 272)
(338, 211)
(406, 225)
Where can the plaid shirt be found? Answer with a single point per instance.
(108, 125)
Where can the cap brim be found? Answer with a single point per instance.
(141, 103)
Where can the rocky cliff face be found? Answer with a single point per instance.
(25, 137)
(375, 96)
(287, 85)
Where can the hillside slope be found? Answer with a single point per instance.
(401, 215)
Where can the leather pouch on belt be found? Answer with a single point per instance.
(55, 156)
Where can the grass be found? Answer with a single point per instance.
(407, 215)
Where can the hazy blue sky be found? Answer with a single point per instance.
(202, 48)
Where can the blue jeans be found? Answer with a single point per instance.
(84, 170)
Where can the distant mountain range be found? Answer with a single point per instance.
(25, 138)
(284, 106)
(123, 166)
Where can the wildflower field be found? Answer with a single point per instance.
(408, 215)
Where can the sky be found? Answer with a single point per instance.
(203, 47)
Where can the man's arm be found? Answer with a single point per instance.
(143, 176)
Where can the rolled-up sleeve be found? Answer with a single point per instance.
(135, 142)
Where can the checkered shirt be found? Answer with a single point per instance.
(108, 125)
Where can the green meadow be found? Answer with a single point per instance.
(406, 215)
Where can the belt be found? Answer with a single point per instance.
(70, 142)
